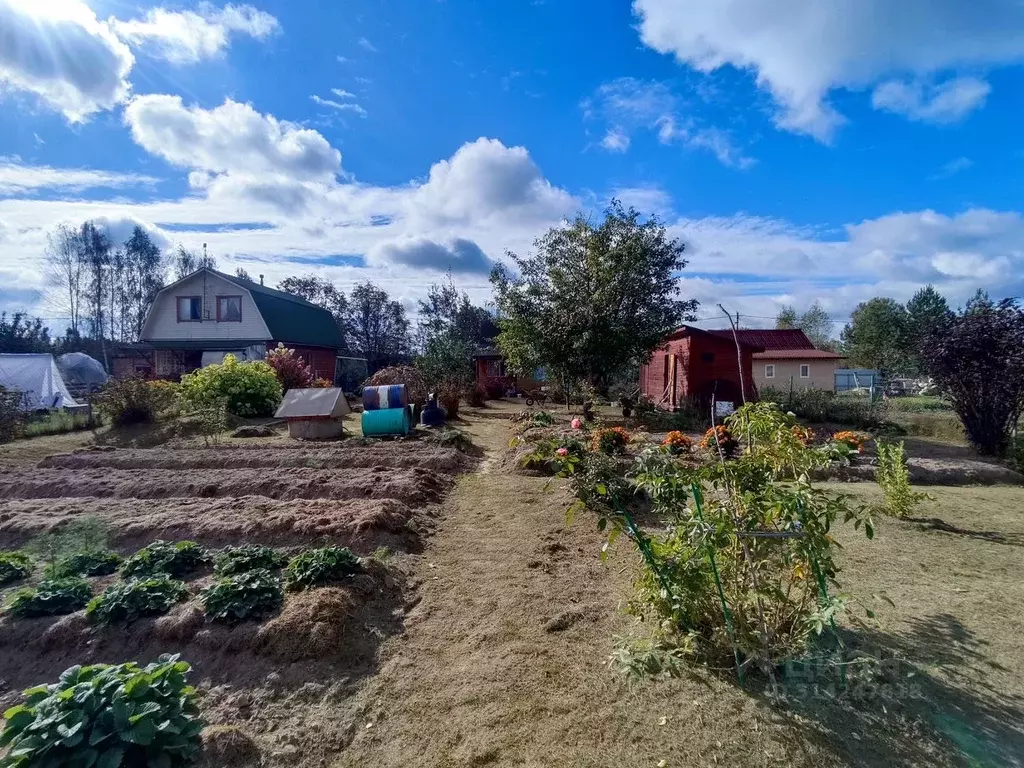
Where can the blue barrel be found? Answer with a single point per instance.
(389, 421)
(385, 396)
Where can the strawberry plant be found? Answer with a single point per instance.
(14, 565)
(320, 566)
(52, 597)
(99, 563)
(248, 557)
(253, 594)
(106, 716)
(125, 601)
(175, 559)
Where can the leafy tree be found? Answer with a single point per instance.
(376, 327)
(927, 310)
(451, 331)
(876, 336)
(816, 323)
(96, 249)
(317, 290)
(787, 317)
(65, 272)
(977, 359)
(23, 334)
(243, 274)
(592, 299)
(184, 262)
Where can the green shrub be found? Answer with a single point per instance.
(125, 601)
(251, 389)
(320, 566)
(894, 479)
(248, 557)
(53, 597)
(86, 534)
(99, 563)
(133, 400)
(107, 716)
(14, 565)
(1017, 453)
(175, 559)
(250, 595)
(822, 405)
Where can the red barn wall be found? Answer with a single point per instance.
(695, 374)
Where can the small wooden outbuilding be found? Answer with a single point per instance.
(696, 365)
(314, 414)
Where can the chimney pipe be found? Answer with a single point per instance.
(261, 279)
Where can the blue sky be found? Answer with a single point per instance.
(803, 151)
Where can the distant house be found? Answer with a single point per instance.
(789, 359)
(493, 371)
(697, 366)
(208, 314)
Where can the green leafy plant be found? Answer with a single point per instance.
(248, 557)
(105, 716)
(320, 566)
(133, 401)
(125, 601)
(250, 388)
(98, 563)
(893, 477)
(250, 595)
(175, 559)
(14, 565)
(745, 568)
(53, 597)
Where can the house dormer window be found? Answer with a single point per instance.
(190, 309)
(229, 309)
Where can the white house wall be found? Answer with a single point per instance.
(163, 319)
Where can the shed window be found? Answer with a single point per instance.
(229, 309)
(190, 309)
(769, 371)
(805, 371)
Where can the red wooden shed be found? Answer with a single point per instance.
(698, 365)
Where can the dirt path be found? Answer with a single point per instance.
(503, 661)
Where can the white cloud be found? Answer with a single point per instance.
(953, 167)
(801, 50)
(185, 37)
(17, 179)
(628, 104)
(342, 93)
(947, 102)
(460, 256)
(485, 178)
(338, 105)
(366, 45)
(615, 140)
(232, 138)
(60, 52)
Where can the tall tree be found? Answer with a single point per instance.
(65, 272)
(145, 275)
(450, 331)
(23, 334)
(876, 336)
(977, 359)
(243, 274)
(185, 261)
(787, 317)
(592, 299)
(816, 323)
(927, 310)
(376, 327)
(96, 256)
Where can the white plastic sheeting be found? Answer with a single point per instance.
(38, 379)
